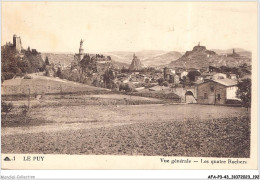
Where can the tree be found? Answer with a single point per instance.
(192, 75)
(108, 78)
(244, 92)
(2, 79)
(160, 81)
(6, 108)
(24, 65)
(47, 61)
(58, 73)
(122, 87)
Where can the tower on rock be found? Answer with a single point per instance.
(17, 43)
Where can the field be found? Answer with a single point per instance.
(107, 124)
(89, 120)
(44, 85)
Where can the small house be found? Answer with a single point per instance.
(217, 91)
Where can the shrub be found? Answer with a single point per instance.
(6, 108)
(244, 92)
(24, 110)
(8, 75)
(27, 77)
(165, 83)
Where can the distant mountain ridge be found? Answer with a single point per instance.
(240, 51)
(156, 58)
(148, 57)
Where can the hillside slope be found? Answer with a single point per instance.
(44, 85)
(240, 51)
(201, 57)
(162, 59)
(63, 58)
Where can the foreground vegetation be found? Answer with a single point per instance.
(226, 137)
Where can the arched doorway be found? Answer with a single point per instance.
(189, 93)
(189, 97)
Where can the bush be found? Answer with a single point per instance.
(128, 87)
(244, 92)
(8, 75)
(24, 110)
(47, 72)
(6, 108)
(160, 81)
(165, 83)
(27, 77)
(233, 102)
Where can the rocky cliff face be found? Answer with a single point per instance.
(136, 64)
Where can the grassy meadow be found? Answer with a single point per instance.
(118, 124)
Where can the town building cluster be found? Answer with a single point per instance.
(207, 85)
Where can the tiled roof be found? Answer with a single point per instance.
(226, 82)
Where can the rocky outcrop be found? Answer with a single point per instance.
(201, 57)
(136, 64)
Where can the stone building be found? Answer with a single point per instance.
(168, 72)
(216, 91)
(17, 43)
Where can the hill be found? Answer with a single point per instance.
(44, 85)
(55, 58)
(200, 57)
(148, 57)
(162, 59)
(240, 51)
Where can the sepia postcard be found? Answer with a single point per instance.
(129, 85)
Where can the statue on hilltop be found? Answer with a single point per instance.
(81, 42)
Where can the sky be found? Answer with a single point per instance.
(130, 26)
